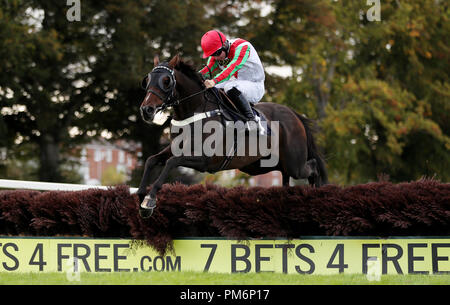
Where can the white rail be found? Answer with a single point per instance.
(49, 186)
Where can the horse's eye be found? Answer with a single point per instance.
(166, 82)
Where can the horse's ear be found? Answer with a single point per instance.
(156, 60)
(174, 61)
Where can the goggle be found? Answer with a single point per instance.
(165, 82)
(218, 52)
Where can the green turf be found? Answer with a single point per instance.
(196, 278)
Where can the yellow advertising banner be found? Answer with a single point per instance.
(318, 255)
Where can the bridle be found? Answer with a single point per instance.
(169, 100)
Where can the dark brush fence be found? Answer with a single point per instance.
(376, 209)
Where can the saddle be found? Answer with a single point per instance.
(231, 113)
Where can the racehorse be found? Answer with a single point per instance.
(178, 85)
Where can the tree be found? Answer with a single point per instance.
(45, 77)
(111, 176)
(395, 81)
(379, 89)
(359, 78)
(65, 82)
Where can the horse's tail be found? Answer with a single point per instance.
(313, 151)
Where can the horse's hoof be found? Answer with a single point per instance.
(147, 206)
(148, 202)
(145, 213)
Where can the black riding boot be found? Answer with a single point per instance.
(241, 103)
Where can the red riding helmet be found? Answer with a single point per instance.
(212, 41)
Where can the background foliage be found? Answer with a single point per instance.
(378, 89)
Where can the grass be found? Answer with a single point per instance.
(198, 278)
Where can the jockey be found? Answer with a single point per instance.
(237, 68)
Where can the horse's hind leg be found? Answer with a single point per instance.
(313, 176)
(286, 179)
(309, 171)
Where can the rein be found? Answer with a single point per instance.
(177, 102)
(195, 94)
(191, 96)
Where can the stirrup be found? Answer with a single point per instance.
(257, 125)
(252, 124)
(249, 125)
(262, 130)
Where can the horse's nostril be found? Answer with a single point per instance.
(147, 113)
(147, 110)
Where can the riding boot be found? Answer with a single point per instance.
(243, 106)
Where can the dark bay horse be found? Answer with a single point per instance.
(178, 85)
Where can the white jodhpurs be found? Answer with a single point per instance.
(252, 91)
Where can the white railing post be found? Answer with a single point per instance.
(49, 186)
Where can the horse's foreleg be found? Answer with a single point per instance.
(149, 202)
(159, 158)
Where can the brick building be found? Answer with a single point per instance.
(231, 178)
(99, 155)
(270, 179)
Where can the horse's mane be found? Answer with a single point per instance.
(187, 68)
